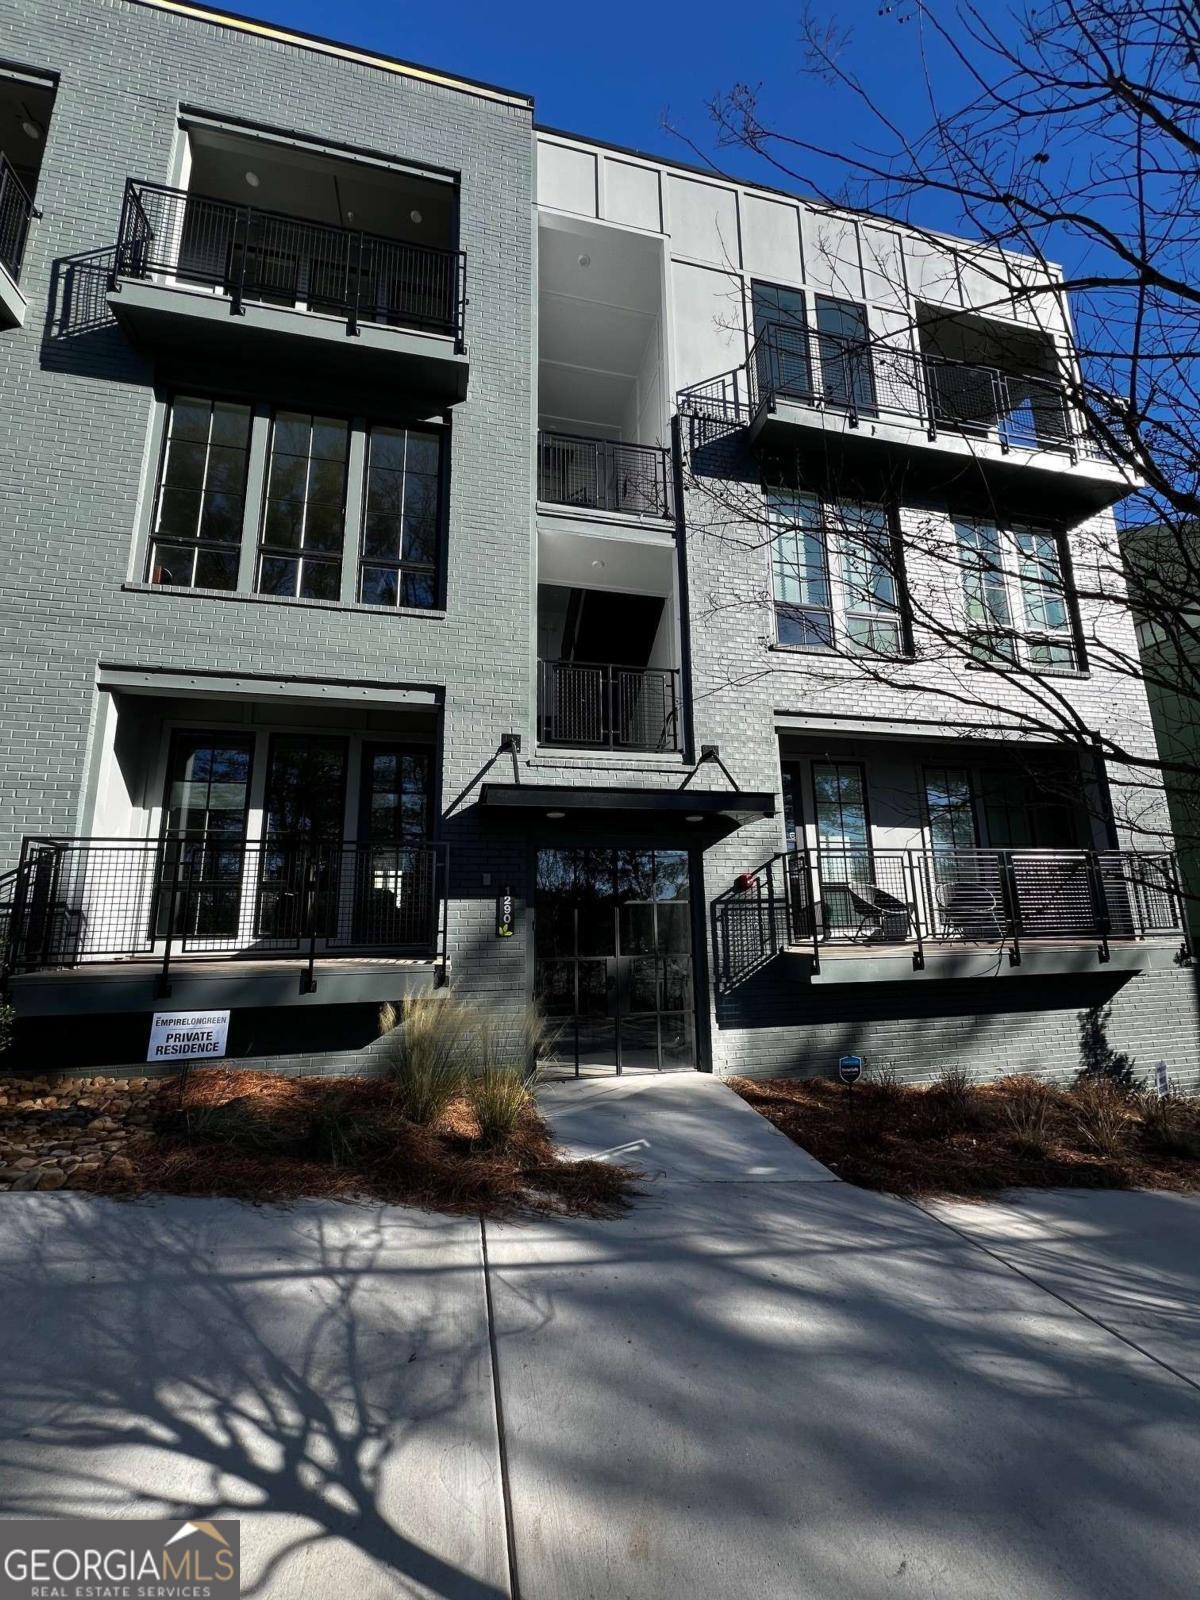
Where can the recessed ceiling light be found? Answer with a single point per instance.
(585, 261)
(415, 216)
(252, 178)
(556, 815)
(694, 816)
(30, 128)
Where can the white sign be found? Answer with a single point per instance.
(187, 1035)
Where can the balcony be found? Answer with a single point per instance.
(202, 274)
(140, 917)
(603, 707)
(604, 475)
(871, 403)
(17, 211)
(981, 912)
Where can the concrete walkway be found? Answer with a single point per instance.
(761, 1384)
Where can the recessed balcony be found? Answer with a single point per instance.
(581, 473)
(197, 273)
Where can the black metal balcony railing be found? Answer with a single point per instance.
(17, 210)
(73, 901)
(871, 897)
(859, 378)
(267, 256)
(582, 704)
(604, 475)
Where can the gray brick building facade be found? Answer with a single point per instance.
(597, 288)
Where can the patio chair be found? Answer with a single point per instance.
(971, 910)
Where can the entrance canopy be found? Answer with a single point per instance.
(725, 808)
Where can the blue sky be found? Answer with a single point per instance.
(615, 72)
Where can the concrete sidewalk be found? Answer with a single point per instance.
(320, 1372)
(759, 1384)
(762, 1385)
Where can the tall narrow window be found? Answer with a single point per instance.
(782, 364)
(202, 856)
(304, 518)
(843, 341)
(872, 615)
(800, 568)
(1047, 620)
(201, 495)
(401, 518)
(950, 806)
(985, 590)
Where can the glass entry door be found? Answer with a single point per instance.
(613, 958)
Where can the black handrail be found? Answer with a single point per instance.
(17, 210)
(846, 894)
(593, 704)
(252, 253)
(604, 474)
(78, 900)
(792, 363)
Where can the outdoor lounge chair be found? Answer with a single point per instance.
(971, 911)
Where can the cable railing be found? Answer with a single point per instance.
(597, 705)
(74, 901)
(178, 237)
(604, 475)
(17, 210)
(859, 378)
(862, 896)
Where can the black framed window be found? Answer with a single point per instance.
(1017, 602)
(844, 346)
(834, 575)
(401, 518)
(201, 494)
(304, 511)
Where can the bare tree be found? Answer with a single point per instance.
(1074, 137)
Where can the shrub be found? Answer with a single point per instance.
(950, 1101)
(1169, 1123)
(1027, 1112)
(7, 1017)
(1101, 1110)
(427, 1053)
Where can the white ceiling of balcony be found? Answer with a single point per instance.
(599, 299)
(302, 183)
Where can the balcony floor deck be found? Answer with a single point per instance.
(880, 962)
(217, 983)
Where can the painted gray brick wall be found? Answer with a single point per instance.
(769, 1025)
(75, 406)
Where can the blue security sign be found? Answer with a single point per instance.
(850, 1068)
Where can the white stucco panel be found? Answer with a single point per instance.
(631, 195)
(709, 321)
(704, 221)
(771, 240)
(566, 179)
(831, 255)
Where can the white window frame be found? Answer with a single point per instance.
(841, 528)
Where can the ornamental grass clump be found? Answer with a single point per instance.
(507, 1046)
(428, 1053)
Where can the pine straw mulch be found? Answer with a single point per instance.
(260, 1137)
(975, 1140)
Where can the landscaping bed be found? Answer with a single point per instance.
(960, 1138)
(258, 1136)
